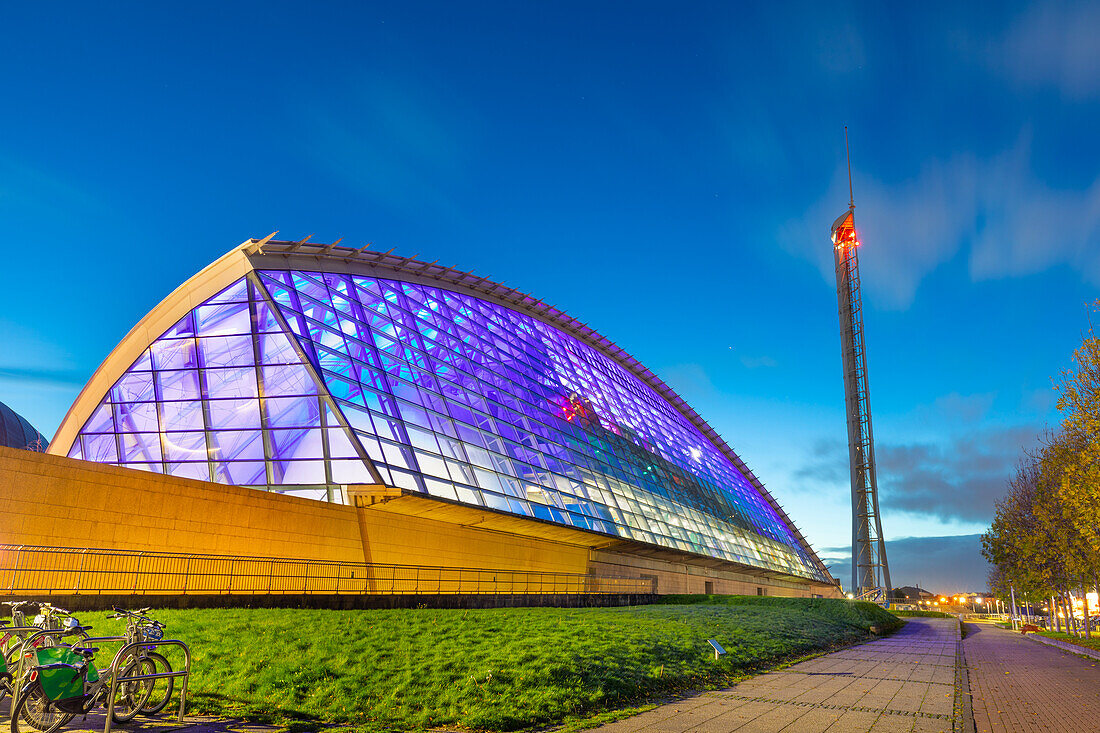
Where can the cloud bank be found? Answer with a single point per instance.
(939, 564)
(1007, 221)
(959, 479)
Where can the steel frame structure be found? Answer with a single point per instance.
(870, 571)
(335, 257)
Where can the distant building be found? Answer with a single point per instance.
(16, 432)
(913, 593)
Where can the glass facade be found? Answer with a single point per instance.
(303, 381)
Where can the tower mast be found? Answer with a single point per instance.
(870, 572)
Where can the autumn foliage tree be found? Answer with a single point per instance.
(1045, 536)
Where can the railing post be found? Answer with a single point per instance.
(80, 572)
(137, 573)
(186, 574)
(15, 570)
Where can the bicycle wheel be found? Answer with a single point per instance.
(130, 697)
(30, 714)
(161, 691)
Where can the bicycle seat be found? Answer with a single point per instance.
(86, 651)
(4, 622)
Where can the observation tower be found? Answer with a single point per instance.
(870, 571)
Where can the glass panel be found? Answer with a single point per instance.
(134, 387)
(235, 293)
(287, 380)
(174, 354)
(275, 348)
(288, 444)
(298, 472)
(226, 351)
(184, 328)
(182, 415)
(339, 445)
(136, 417)
(178, 385)
(151, 467)
(265, 319)
(241, 473)
(223, 320)
(185, 446)
(233, 414)
(245, 445)
(101, 421)
(144, 447)
(235, 382)
(100, 448)
(292, 412)
(200, 471)
(351, 472)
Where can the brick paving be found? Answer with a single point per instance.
(904, 683)
(1020, 686)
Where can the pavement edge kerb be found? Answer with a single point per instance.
(1082, 651)
(964, 702)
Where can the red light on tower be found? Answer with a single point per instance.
(844, 230)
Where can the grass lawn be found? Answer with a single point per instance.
(495, 669)
(1093, 642)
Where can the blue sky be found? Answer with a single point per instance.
(666, 173)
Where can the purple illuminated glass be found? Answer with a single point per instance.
(497, 402)
(447, 394)
(212, 397)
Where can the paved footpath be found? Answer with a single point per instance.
(904, 683)
(1020, 685)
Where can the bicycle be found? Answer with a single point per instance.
(14, 638)
(141, 628)
(65, 683)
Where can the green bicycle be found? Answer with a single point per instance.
(64, 682)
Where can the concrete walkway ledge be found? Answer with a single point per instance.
(1084, 651)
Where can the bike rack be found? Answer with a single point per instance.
(18, 631)
(185, 673)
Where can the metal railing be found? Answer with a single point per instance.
(50, 571)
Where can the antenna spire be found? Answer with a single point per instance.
(848, 154)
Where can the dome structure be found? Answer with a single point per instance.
(16, 432)
(305, 368)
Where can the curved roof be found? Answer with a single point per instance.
(16, 432)
(268, 255)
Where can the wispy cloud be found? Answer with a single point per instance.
(1009, 222)
(756, 362)
(25, 185)
(392, 143)
(1052, 44)
(58, 377)
(957, 408)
